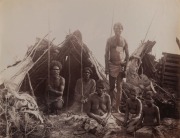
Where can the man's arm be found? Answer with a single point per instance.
(93, 89)
(126, 112)
(157, 115)
(139, 108)
(140, 119)
(61, 88)
(127, 53)
(107, 54)
(108, 104)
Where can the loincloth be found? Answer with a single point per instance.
(114, 70)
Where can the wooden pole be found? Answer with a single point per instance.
(82, 93)
(32, 91)
(69, 81)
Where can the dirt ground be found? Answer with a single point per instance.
(72, 126)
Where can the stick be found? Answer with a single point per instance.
(134, 134)
(178, 42)
(81, 81)
(32, 91)
(38, 44)
(68, 82)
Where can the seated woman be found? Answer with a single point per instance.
(84, 87)
(99, 105)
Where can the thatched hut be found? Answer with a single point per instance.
(72, 53)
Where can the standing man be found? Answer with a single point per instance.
(55, 88)
(115, 65)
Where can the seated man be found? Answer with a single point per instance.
(133, 111)
(150, 118)
(99, 105)
(54, 88)
(84, 87)
(150, 114)
(146, 95)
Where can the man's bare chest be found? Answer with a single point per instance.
(55, 83)
(133, 105)
(149, 111)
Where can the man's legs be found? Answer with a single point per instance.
(112, 81)
(131, 127)
(57, 106)
(157, 133)
(119, 92)
(132, 122)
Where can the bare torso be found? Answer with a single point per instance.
(116, 50)
(133, 106)
(56, 92)
(149, 114)
(99, 104)
(55, 82)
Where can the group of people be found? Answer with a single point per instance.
(90, 95)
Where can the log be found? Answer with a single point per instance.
(171, 78)
(171, 74)
(172, 64)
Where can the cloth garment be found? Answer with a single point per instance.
(111, 126)
(114, 70)
(82, 91)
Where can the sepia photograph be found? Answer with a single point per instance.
(89, 68)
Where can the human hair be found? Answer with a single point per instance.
(55, 63)
(87, 68)
(118, 24)
(133, 92)
(100, 84)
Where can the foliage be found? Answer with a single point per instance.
(19, 114)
